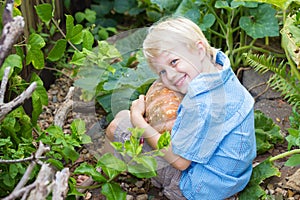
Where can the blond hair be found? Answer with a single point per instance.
(168, 33)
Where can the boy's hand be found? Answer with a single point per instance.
(137, 112)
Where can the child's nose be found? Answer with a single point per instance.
(171, 74)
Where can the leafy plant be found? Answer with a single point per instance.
(267, 133)
(63, 146)
(232, 25)
(286, 75)
(138, 163)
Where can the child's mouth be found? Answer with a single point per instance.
(180, 82)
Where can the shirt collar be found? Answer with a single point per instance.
(207, 81)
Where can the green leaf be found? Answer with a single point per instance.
(76, 37)
(69, 26)
(164, 140)
(40, 89)
(90, 15)
(116, 145)
(121, 6)
(266, 131)
(13, 61)
(148, 162)
(13, 170)
(260, 172)
(113, 191)
(37, 107)
(293, 138)
(36, 57)
(70, 153)
(78, 127)
(89, 170)
(168, 5)
(56, 163)
(58, 50)
(294, 160)
(36, 41)
(88, 39)
(283, 4)
(44, 11)
(261, 22)
(78, 58)
(79, 17)
(222, 4)
(207, 22)
(108, 160)
(140, 171)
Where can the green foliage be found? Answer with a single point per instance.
(267, 133)
(281, 80)
(63, 145)
(232, 23)
(260, 172)
(135, 161)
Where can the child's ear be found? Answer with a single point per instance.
(201, 49)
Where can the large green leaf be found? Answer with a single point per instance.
(189, 9)
(58, 50)
(34, 53)
(89, 170)
(168, 5)
(148, 162)
(267, 132)
(113, 191)
(14, 61)
(108, 160)
(140, 171)
(260, 172)
(261, 22)
(283, 4)
(121, 6)
(44, 12)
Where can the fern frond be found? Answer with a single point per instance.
(281, 80)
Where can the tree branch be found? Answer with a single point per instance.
(4, 84)
(10, 34)
(5, 108)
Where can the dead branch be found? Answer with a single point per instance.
(43, 183)
(64, 109)
(13, 28)
(5, 108)
(60, 187)
(4, 84)
(31, 158)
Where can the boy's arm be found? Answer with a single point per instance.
(151, 135)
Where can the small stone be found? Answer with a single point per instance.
(142, 197)
(129, 197)
(88, 195)
(139, 183)
(290, 193)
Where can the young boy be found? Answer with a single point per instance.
(213, 139)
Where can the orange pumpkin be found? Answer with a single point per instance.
(161, 106)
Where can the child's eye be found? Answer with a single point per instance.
(173, 62)
(162, 72)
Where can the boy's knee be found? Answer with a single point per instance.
(111, 128)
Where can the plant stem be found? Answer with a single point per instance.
(285, 154)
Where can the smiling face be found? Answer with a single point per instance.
(177, 68)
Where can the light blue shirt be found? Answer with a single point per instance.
(215, 130)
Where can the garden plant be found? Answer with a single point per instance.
(114, 73)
